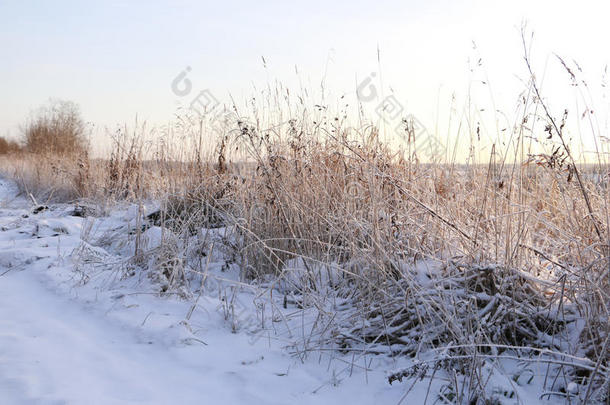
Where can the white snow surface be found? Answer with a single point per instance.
(77, 328)
(110, 341)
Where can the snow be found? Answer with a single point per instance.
(70, 335)
(59, 351)
(78, 325)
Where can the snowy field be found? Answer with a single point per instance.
(68, 340)
(77, 326)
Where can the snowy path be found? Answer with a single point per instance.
(53, 351)
(62, 342)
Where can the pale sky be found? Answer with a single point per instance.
(117, 59)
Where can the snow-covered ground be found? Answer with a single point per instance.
(73, 333)
(82, 323)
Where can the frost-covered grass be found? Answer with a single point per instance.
(490, 282)
(78, 326)
(87, 320)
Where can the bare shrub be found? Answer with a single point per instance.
(56, 129)
(8, 146)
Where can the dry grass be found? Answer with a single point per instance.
(488, 259)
